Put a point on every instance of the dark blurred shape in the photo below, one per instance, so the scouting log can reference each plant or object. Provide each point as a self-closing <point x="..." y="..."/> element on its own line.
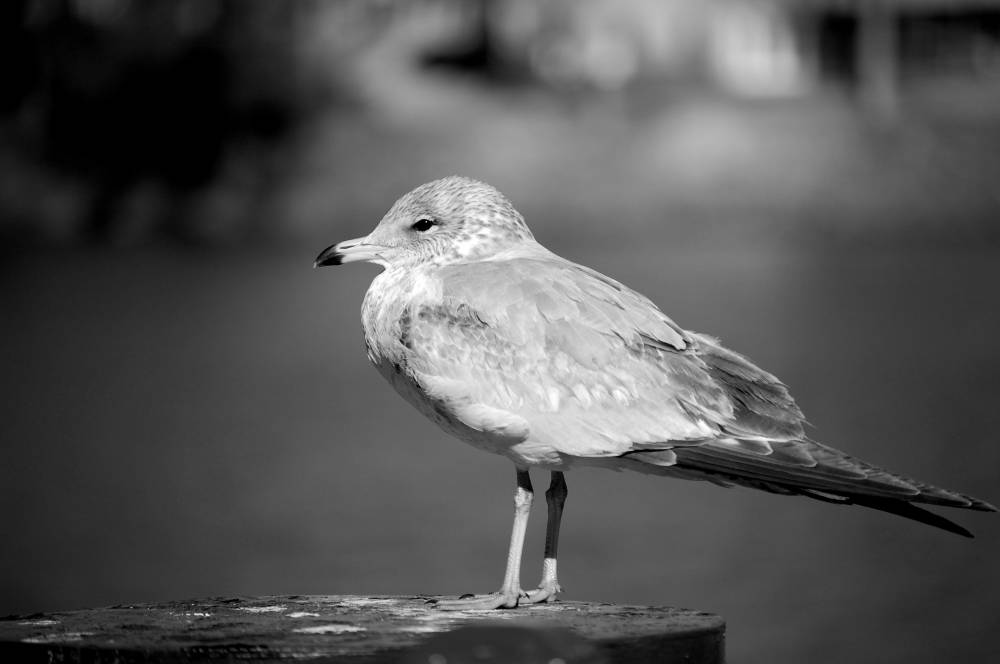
<point x="963" y="41"/>
<point x="19" y="68"/>
<point x="125" y="106"/>
<point x="836" y="33"/>
<point x="152" y="92"/>
<point x="477" y="51"/>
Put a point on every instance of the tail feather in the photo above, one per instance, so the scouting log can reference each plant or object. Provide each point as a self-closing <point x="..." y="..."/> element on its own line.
<point x="825" y="470"/>
<point x="910" y="511"/>
<point x="892" y="506"/>
<point x="816" y="471"/>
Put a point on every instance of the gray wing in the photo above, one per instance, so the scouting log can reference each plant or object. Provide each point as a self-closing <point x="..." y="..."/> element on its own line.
<point x="592" y="368"/>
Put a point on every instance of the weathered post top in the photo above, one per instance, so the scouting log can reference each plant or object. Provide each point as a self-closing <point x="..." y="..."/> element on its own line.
<point x="347" y="628"/>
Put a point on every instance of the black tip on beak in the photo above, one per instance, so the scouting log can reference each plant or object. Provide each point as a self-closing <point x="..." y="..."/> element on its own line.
<point x="329" y="256"/>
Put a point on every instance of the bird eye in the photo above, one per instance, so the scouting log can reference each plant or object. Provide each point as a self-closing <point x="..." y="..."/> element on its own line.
<point x="423" y="225"/>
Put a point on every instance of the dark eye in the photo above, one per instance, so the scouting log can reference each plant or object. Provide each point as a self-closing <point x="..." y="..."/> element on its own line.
<point x="423" y="225"/>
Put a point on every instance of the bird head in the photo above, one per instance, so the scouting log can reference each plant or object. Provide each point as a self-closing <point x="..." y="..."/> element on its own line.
<point x="451" y="220"/>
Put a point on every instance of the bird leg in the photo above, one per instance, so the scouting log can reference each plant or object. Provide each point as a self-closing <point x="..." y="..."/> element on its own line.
<point x="555" y="498"/>
<point x="510" y="593"/>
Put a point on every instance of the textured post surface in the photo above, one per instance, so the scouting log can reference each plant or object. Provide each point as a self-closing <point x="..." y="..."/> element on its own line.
<point x="348" y="628"/>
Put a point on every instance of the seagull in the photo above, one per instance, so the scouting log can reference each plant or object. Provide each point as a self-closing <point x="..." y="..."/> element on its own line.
<point x="520" y="352"/>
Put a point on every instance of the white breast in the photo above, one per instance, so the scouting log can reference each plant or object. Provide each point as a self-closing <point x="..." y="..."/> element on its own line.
<point x="391" y="297"/>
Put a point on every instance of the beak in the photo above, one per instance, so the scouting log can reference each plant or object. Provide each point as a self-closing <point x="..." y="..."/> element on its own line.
<point x="348" y="251"/>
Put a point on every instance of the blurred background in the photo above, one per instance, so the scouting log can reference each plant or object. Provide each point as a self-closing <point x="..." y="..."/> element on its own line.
<point x="186" y="406"/>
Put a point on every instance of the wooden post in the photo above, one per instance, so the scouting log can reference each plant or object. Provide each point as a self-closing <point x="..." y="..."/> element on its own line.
<point x="347" y="628"/>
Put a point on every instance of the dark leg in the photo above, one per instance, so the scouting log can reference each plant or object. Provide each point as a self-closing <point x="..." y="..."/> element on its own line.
<point x="555" y="498"/>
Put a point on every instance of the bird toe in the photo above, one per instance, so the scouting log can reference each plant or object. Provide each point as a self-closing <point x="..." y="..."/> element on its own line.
<point x="546" y="592"/>
<point x="469" y="602"/>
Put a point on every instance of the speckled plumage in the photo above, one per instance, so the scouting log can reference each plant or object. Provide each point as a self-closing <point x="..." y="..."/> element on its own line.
<point x="520" y="352"/>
